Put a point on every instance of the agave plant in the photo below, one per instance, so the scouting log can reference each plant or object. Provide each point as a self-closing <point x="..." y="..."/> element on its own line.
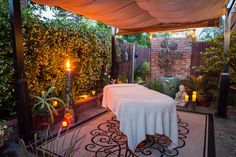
<point x="44" y="103"/>
<point x="154" y="84"/>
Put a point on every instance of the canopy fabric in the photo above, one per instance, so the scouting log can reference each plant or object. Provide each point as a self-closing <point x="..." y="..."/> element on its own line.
<point x="135" y="16"/>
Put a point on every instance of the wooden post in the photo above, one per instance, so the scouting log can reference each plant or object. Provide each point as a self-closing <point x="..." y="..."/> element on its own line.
<point x="24" y="116"/>
<point x="133" y="63"/>
<point x="224" y="78"/>
<point x="114" y="69"/>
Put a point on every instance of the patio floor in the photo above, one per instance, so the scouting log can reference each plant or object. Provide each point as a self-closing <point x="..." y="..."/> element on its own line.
<point x="225" y="134"/>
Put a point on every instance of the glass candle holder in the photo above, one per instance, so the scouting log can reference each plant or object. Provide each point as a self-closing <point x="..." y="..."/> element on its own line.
<point x="93" y="92"/>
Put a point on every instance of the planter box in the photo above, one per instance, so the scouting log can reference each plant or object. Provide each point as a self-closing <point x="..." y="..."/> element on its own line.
<point x="88" y="103"/>
<point x="42" y="121"/>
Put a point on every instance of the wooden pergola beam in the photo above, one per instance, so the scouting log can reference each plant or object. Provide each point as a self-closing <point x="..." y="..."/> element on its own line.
<point x="24" y="116"/>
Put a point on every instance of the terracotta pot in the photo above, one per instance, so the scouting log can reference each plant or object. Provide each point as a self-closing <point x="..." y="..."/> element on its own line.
<point x="204" y="100"/>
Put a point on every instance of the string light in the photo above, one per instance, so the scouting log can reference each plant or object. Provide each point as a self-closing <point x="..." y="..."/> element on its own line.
<point x="150" y="36"/>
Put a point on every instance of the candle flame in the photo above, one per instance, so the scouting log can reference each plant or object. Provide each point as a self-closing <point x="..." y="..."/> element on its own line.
<point x="68" y="65"/>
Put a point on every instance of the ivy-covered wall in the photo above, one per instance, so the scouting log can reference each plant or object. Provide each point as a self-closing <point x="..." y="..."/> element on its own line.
<point x="48" y="43"/>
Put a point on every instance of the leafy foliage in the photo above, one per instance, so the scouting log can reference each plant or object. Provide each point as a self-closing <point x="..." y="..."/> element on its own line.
<point x="213" y="57"/>
<point x="140" y="39"/>
<point x="198" y="84"/>
<point x="202" y="85"/>
<point x="211" y="32"/>
<point x="44" y="103"/>
<point x="154" y="84"/>
<point x="48" y="43"/>
<point x="7" y="101"/>
<point x="4" y="132"/>
<point x="142" y="71"/>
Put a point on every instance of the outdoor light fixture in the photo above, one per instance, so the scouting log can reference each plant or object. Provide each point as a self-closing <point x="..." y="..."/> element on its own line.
<point x="64" y="123"/>
<point x="84" y="96"/>
<point x="54" y="104"/>
<point x="93" y="92"/>
<point x="150" y="36"/>
<point x="68" y="115"/>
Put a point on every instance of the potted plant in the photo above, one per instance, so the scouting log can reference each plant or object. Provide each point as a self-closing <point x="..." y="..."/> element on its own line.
<point x="44" y="110"/>
<point x="202" y="86"/>
<point x="4" y="134"/>
<point x="166" y="58"/>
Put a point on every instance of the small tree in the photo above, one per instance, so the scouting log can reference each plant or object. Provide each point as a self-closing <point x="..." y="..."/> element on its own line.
<point x="213" y="57"/>
<point x="168" y="55"/>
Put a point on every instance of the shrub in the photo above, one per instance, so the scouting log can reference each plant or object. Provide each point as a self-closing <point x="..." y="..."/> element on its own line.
<point x="142" y="71"/>
<point x="48" y="43"/>
<point x="7" y="99"/>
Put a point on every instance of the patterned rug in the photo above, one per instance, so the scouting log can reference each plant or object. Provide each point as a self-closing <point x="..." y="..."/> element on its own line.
<point x="101" y="137"/>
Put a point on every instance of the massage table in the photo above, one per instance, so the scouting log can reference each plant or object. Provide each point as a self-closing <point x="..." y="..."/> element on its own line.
<point x="141" y="112"/>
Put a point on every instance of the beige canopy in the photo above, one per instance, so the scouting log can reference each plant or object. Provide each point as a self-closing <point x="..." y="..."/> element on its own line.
<point x="135" y="16"/>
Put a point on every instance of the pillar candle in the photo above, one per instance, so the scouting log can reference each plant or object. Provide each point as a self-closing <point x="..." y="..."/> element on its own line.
<point x="186" y="98"/>
<point x="194" y="97"/>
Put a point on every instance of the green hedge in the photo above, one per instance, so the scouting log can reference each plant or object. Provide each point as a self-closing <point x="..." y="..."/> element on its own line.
<point x="47" y="45"/>
<point x="7" y="101"/>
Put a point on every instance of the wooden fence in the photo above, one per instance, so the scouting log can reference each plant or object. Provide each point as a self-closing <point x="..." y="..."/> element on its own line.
<point x="197" y="48"/>
<point x="131" y="56"/>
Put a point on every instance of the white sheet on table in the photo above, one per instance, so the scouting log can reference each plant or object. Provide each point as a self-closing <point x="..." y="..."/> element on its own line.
<point x="141" y="111"/>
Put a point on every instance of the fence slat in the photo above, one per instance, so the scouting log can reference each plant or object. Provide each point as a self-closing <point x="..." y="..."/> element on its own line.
<point x="126" y="67"/>
<point x="197" y="48"/>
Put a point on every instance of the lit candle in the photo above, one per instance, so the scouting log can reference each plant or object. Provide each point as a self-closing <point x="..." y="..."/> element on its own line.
<point x="194" y="97"/>
<point x="54" y="104"/>
<point x="69" y="99"/>
<point x="64" y="124"/>
<point x="186" y="97"/>
<point x="93" y="92"/>
<point x="69" y="96"/>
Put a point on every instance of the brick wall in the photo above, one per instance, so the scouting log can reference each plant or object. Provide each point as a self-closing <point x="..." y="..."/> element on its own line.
<point x="181" y="67"/>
